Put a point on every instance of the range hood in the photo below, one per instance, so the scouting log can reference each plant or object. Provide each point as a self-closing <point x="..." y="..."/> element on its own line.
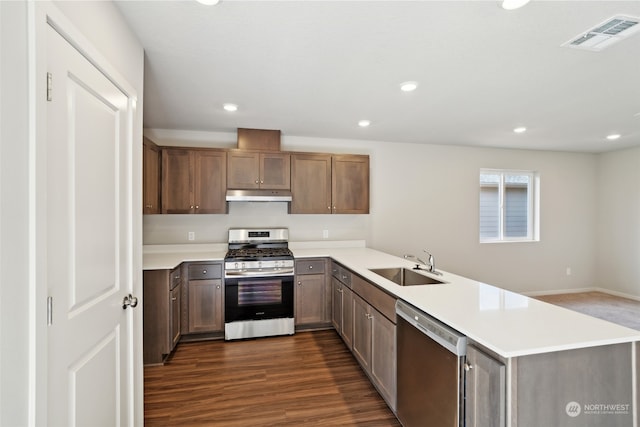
<point x="258" y="196"/>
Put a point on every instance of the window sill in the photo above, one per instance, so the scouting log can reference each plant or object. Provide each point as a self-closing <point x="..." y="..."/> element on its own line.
<point x="511" y="241"/>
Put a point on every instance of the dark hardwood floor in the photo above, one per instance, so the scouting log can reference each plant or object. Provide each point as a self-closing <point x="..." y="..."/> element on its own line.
<point x="309" y="378"/>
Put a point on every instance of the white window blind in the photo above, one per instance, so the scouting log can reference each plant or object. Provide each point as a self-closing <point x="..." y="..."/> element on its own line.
<point x="506" y="205"/>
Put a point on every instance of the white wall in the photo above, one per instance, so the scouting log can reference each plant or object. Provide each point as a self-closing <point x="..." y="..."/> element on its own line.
<point x="617" y="264"/>
<point x="426" y="197"/>
<point x="14" y="216"/>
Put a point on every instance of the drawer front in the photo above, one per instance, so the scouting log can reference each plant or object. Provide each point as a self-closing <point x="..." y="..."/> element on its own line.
<point x="376" y="297"/>
<point x="341" y="273"/>
<point x="175" y="277"/>
<point x="345" y="276"/>
<point x="335" y="270"/>
<point x="310" y="266"/>
<point x="205" y="271"/>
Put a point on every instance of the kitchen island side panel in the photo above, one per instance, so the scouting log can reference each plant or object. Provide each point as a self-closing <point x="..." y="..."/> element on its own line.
<point x="588" y="387"/>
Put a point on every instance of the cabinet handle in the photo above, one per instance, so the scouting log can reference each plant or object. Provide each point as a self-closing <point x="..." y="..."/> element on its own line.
<point x="257" y="181"/>
<point x="174" y="299"/>
<point x="311" y="267"/>
<point x="368" y="316"/>
<point x="218" y="287"/>
<point x="191" y="206"/>
<point x="197" y="207"/>
<point x="149" y="206"/>
<point x="340" y="290"/>
<point x="299" y="283"/>
<point x="204" y="271"/>
<point x="344" y="277"/>
<point x="261" y="182"/>
<point x="467" y="367"/>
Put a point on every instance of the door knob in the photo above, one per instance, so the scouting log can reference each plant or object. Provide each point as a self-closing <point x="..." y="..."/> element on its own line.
<point x="129" y="301"/>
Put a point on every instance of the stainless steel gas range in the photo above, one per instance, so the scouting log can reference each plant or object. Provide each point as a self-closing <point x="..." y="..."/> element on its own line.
<point x="259" y="272"/>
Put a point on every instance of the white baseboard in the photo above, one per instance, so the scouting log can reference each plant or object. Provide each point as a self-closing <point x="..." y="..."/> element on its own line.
<point x="577" y="290"/>
<point x="560" y="291"/>
<point x="620" y="294"/>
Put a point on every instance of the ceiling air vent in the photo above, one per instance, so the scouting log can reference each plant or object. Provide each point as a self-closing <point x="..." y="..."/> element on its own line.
<point x="605" y="34"/>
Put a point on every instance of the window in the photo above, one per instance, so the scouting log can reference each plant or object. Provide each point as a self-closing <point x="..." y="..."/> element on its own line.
<point x="507" y="202"/>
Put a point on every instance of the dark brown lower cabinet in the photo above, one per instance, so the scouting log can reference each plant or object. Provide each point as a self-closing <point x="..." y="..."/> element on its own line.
<point x="203" y="299"/>
<point x="374" y="346"/>
<point x="205" y="306"/>
<point x="342" y="313"/>
<point x="312" y="293"/>
<point x="161" y="317"/>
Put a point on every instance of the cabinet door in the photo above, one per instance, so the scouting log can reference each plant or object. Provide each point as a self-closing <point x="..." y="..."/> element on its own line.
<point x="151" y="177"/>
<point x="310" y="299"/>
<point x="383" y="356"/>
<point x="243" y="170"/>
<point x="485" y="390"/>
<point x="275" y="171"/>
<point x="347" y="317"/>
<point x="336" y="305"/>
<point x="177" y="192"/>
<point x="350" y="184"/>
<point x="210" y="182"/>
<point x="362" y="332"/>
<point x="205" y="305"/>
<point x="311" y="184"/>
<point x="175" y="299"/>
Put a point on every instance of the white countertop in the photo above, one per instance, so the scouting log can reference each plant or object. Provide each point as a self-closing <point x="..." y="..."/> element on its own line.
<point x="167" y="257"/>
<point x="505" y="322"/>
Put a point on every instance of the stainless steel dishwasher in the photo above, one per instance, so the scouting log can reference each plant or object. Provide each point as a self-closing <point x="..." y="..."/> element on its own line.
<point x="430" y="376"/>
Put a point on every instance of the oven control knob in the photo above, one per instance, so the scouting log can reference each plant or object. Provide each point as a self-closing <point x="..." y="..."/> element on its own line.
<point x="244" y="266"/>
<point x="236" y="266"/>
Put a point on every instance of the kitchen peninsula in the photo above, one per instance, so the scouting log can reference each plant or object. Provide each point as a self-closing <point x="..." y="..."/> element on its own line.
<point x="552" y="360"/>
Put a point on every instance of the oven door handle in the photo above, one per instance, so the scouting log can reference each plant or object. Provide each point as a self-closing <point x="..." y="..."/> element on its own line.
<point x="262" y="273"/>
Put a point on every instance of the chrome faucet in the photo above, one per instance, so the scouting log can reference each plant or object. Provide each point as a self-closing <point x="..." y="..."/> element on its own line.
<point x="430" y="264"/>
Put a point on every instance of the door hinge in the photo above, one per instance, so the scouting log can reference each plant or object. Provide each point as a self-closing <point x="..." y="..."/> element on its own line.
<point x="49" y="311"/>
<point x="49" y="88"/>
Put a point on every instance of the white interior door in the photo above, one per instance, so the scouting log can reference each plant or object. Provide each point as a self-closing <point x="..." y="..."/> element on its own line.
<point x="89" y="219"/>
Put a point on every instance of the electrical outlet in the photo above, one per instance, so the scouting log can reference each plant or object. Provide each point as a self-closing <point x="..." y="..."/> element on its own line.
<point x="325" y="234"/>
<point x="191" y="235"/>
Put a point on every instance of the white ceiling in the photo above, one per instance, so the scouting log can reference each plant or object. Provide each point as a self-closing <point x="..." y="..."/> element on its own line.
<point x="315" y="68"/>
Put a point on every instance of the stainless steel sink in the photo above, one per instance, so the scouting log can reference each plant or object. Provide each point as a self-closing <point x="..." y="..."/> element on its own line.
<point x="405" y="276"/>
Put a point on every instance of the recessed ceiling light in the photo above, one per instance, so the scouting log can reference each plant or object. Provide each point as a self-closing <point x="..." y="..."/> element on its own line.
<point x="230" y="107"/>
<point x="364" y="123"/>
<point x="520" y="129"/>
<point x="513" y="4"/>
<point x="208" y="2"/>
<point x="613" y="136"/>
<point x="408" y="86"/>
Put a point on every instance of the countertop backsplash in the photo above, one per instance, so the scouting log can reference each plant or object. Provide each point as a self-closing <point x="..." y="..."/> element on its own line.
<point x="174" y="229"/>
